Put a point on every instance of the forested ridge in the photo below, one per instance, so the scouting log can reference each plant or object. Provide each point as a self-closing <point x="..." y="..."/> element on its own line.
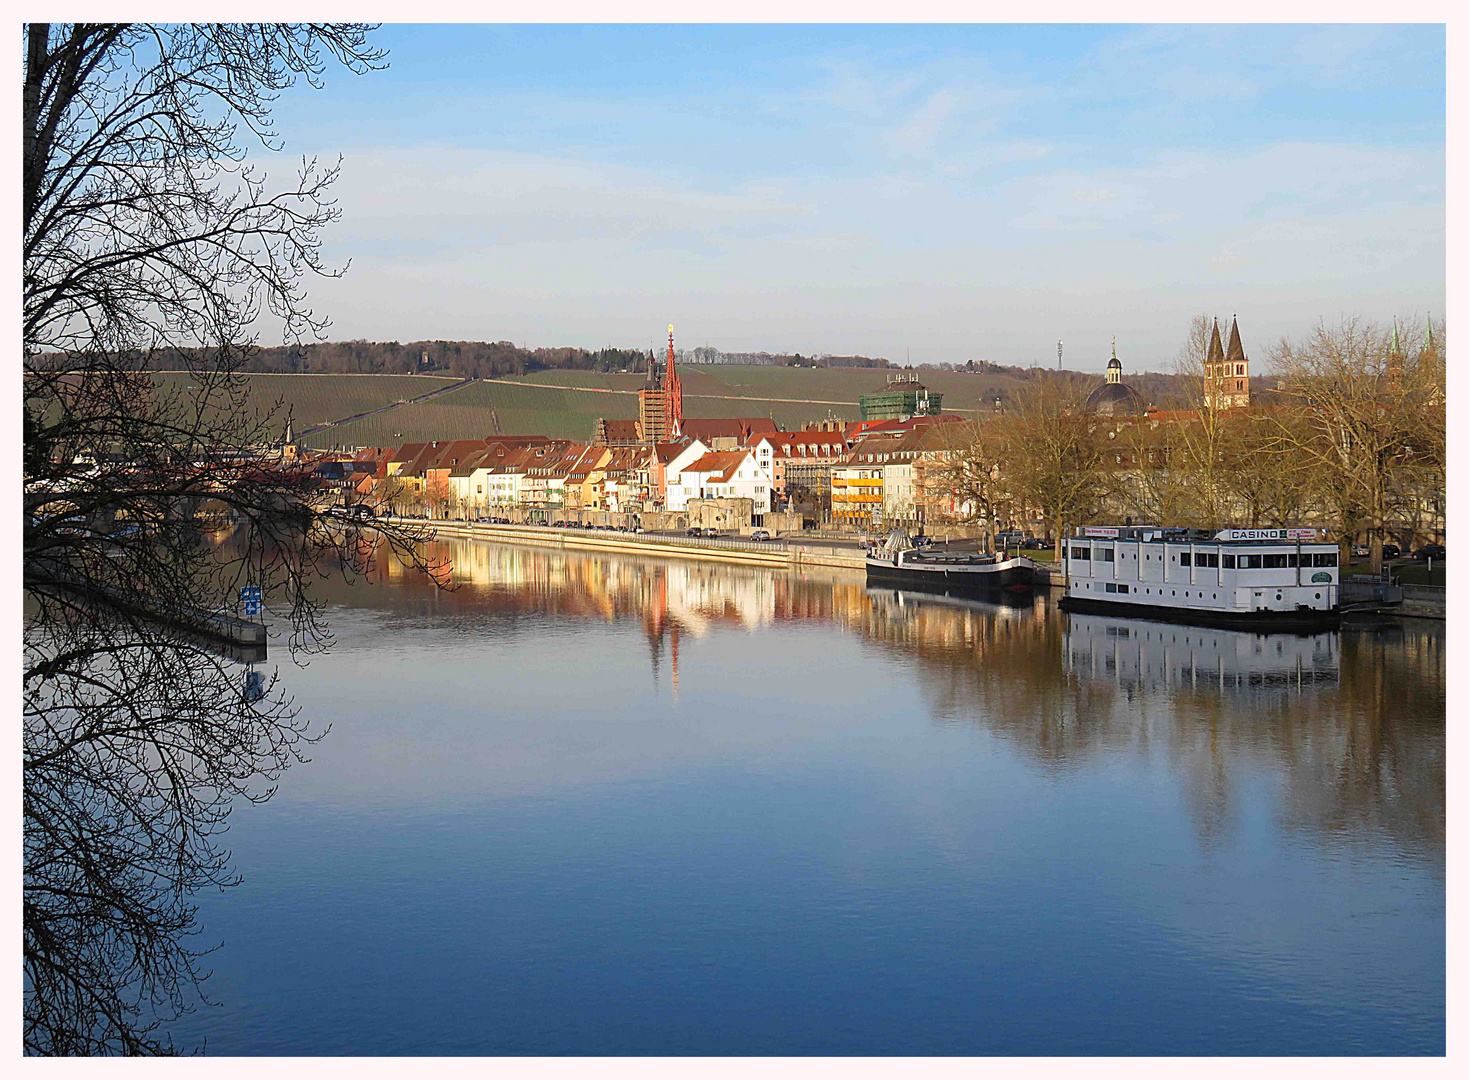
<point x="477" y="359"/>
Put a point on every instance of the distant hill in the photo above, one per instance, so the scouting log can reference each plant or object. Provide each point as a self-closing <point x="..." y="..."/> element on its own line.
<point x="332" y="410"/>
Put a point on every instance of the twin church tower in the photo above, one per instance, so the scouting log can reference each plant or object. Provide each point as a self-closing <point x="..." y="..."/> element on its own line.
<point x="1226" y="372"/>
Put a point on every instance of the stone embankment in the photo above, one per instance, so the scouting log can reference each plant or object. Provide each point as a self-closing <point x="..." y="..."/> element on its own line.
<point x="775" y="554"/>
<point x="1424" y="602"/>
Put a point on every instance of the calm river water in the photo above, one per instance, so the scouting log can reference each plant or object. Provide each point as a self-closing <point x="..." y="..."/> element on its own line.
<point x="610" y="805"/>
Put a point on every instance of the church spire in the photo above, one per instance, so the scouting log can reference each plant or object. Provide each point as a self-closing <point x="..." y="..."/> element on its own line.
<point x="1395" y="358"/>
<point x="1216" y="348"/>
<point x="672" y="397"/>
<point x="1236" y="354"/>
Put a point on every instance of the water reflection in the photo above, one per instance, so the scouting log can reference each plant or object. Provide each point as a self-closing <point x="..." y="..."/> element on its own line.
<point x="594" y="803"/>
<point x="1351" y="723"/>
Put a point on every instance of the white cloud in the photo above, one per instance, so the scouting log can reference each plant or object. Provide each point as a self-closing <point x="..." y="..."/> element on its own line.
<point x="553" y="250"/>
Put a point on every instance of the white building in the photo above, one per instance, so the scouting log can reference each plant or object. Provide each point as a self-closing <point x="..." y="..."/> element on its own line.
<point x="726" y="474"/>
<point x="676" y="492"/>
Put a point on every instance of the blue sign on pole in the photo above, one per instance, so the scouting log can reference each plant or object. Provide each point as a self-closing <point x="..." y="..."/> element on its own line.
<point x="250" y="597"/>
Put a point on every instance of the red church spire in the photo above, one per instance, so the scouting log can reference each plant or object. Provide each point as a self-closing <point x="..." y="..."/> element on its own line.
<point x="672" y="397"/>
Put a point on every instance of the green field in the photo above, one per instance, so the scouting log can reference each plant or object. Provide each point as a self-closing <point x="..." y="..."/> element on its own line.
<point x="565" y="404"/>
<point x="315" y="399"/>
<point x="465" y="414"/>
<point x="962" y="391"/>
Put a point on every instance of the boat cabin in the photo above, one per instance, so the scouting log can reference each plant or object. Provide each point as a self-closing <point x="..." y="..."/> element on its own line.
<point x="1233" y="571"/>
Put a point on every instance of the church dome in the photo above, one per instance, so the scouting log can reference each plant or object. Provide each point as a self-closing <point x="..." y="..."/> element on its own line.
<point x="1115" y="399"/>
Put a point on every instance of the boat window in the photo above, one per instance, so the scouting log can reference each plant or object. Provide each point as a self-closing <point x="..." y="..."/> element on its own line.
<point x="1249" y="562"/>
<point x="1121" y="588"/>
<point x="1082" y="553"/>
<point x="1229" y="562"/>
<point x="1290" y="560"/>
<point x="1107" y="554"/>
<point x="1185" y="558"/>
<point x="1207" y="558"/>
<point x="1111" y="587"/>
<point x="1325" y="558"/>
<point x="1275" y="561"/>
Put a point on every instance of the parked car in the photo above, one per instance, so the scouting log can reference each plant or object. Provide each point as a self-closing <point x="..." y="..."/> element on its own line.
<point x="1361" y="551"/>
<point x="922" y="542"/>
<point x="695" y="531"/>
<point x="1391" y="551"/>
<point x="759" y="534"/>
<point x="1035" y="543"/>
<point x="1430" y="551"/>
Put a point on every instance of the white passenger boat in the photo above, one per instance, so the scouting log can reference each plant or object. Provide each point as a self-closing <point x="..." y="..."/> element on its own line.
<point x="901" y="562"/>
<point x="1265" y="579"/>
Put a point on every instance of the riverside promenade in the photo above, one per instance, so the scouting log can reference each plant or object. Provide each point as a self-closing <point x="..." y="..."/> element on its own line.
<point x="786" y="552"/>
<point x="777" y="554"/>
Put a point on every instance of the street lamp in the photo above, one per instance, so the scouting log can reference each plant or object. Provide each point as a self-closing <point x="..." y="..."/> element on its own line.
<point x="1059" y="365"/>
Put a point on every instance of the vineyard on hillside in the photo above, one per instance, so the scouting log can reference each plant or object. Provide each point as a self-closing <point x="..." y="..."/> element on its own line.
<point x="566" y="404"/>
<point x="316" y="399"/>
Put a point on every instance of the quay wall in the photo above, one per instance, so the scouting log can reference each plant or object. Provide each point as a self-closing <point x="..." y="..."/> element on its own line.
<point x="740" y="552"/>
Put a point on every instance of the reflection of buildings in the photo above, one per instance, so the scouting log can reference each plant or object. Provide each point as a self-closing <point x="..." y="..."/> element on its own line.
<point x="669" y="598"/>
<point x="1150" y="655"/>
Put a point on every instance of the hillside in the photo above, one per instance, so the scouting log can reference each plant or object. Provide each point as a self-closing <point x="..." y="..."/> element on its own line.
<point x="378" y="410"/>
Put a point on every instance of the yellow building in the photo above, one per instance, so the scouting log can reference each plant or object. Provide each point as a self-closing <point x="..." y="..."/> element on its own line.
<point x="857" y="484"/>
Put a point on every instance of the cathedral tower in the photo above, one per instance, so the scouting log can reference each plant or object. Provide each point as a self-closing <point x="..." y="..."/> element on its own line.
<point x="1226" y="371"/>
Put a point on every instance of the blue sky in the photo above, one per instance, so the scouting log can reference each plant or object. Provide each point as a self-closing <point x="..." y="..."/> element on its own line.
<point x="949" y="192"/>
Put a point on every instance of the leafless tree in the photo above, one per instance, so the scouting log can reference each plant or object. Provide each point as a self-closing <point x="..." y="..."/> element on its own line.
<point x="147" y="236"/>
<point x="1057" y="457"/>
<point x="1365" y="416"/>
<point x="969" y="474"/>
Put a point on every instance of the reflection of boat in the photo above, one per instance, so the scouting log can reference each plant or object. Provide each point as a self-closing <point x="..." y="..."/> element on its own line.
<point x="900" y="562"/>
<point x="1267" y="579"/>
<point x="1138" y="653"/>
<point x="1002" y="604"/>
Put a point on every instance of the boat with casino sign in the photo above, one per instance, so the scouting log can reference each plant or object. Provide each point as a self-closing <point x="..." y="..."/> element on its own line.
<point x="1259" y="579"/>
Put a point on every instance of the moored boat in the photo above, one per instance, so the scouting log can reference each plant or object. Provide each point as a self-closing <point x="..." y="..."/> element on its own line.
<point x="1262" y="579"/>
<point x="901" y="562"/>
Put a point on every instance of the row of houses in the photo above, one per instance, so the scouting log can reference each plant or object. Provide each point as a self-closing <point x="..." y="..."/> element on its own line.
<point x="864" y="473"/>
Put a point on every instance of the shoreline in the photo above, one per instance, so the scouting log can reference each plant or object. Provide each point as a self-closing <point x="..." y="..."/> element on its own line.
<point x="790" y="555"/>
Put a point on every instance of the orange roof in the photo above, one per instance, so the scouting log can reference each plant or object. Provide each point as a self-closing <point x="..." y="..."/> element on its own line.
<point x="721" y="463"/>
<point x="734" y="427"/>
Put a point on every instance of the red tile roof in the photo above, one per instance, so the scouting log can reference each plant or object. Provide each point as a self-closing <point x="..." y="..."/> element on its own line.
<point x="721" y="463"/>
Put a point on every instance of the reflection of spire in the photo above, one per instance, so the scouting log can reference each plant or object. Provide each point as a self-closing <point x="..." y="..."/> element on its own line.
<point x="673" y="638"/>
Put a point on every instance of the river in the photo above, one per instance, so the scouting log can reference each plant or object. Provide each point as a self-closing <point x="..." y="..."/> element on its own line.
<point x="590" y="804"/>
